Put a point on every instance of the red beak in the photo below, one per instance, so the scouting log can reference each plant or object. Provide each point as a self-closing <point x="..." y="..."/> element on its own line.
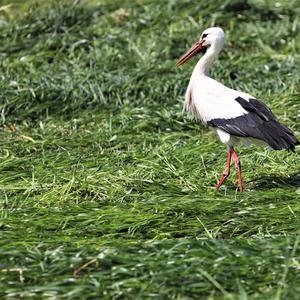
<point x="193" y="51"/>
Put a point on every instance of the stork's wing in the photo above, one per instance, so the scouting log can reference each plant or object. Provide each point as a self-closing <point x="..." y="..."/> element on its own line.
<point x="259" y="123"/>
<point x="257" y="107"/>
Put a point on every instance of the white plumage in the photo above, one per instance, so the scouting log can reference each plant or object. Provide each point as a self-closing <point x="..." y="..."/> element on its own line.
<point x="212" y="99"/>
<point x="236" y="117"/>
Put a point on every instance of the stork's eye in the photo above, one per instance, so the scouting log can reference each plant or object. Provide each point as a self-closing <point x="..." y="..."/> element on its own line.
<point x="204" y="35"/>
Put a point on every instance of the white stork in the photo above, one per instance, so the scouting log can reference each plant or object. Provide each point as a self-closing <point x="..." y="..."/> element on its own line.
<point x="236" y="117"/>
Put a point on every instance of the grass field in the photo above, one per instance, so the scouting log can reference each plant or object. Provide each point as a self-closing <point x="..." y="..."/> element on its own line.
<point x="107" y="188"/>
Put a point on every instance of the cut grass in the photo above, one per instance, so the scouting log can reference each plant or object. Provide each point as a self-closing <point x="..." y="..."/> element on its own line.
<point x="107" y="188"/>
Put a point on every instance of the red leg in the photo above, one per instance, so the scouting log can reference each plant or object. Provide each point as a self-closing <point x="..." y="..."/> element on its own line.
<point x="227" y="169"/>
<point x="238" y="166"/>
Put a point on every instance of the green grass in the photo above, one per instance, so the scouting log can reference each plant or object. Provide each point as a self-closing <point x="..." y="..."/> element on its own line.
<point x="107" y="188"/>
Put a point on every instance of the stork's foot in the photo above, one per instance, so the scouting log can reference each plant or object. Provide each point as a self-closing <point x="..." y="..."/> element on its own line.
<point x="226" y="171"/>
<point x="238" y="166"/>
<point x="224" y="176"/>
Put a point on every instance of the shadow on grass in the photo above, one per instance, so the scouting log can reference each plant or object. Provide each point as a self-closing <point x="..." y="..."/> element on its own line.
<point x="266" y="182"/>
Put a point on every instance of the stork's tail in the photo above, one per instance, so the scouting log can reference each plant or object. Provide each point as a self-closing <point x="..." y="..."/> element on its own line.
<point x="279" y="137"/>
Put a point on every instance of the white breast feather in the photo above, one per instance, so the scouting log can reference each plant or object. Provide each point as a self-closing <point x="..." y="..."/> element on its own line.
<point x="208" y="99"/>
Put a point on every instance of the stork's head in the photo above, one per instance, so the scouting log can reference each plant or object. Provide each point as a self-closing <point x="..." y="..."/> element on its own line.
<point x="211" y="37"/>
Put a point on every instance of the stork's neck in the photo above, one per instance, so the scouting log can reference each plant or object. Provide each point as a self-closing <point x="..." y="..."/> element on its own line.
<point x="204" y="64"/>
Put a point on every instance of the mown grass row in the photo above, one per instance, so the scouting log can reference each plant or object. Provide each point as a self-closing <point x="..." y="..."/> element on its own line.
<point x="164" y="270"/>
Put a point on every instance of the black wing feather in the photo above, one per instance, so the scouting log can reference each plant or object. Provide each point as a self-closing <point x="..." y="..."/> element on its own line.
<point x="259" y="108"/>
<point x="260" y="123"/>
